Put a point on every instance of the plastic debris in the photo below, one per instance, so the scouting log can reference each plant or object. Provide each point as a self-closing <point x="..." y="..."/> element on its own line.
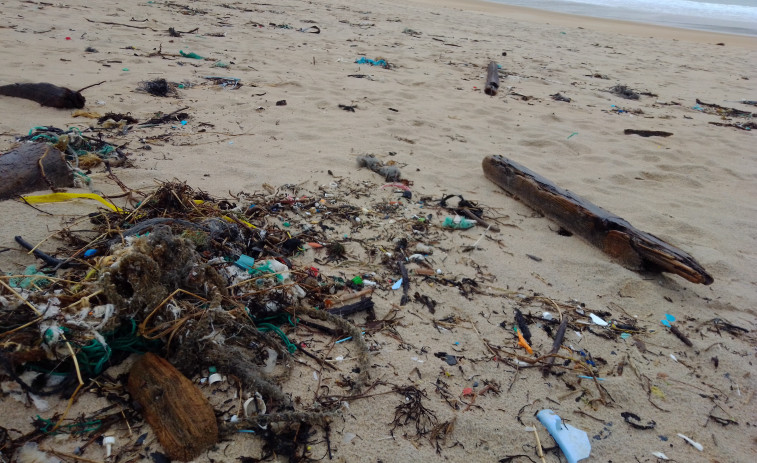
<point x="245" y="262"/>
<point x="694" y="444"/>
<point x="660" y="455"/>
<point x="190" y="55"/>
<point x="458" y="223"/>
<point x="598" y="320"/>
<point x="373" y="62"/>
<point x="522" y="341"/>
<point x="573" y="442"/>
<point x="108" y="442"/>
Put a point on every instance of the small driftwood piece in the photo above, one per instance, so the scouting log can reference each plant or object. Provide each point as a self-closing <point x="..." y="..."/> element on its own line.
<point x="559" y="337"/>
<point x="492" y="79"/>
<point x="32" y="167"/>
<point x="634" y="249"/>
<point x="178" y="413"/>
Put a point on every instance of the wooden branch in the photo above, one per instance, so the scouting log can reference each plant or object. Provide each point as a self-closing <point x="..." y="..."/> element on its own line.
<point x="559" y="336"/>
<point x="32" y="167"/>
<point x="634" y="248"/>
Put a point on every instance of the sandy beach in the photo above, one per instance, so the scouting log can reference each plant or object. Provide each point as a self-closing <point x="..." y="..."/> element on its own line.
<point x="295" y="108"/>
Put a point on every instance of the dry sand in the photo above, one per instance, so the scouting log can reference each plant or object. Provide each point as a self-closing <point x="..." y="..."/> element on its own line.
<point x="695" y="189"/>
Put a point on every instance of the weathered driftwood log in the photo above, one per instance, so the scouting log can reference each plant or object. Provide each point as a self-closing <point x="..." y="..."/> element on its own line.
<point x="31" y="167"/>
<point x="613" y="235"/>
<point x="492" y="79"/>
<point x="178" y="413"/>
<point x="46" y="95"/>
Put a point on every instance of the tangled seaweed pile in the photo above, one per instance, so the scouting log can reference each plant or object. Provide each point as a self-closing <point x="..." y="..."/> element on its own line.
<point x="209" y="283"/>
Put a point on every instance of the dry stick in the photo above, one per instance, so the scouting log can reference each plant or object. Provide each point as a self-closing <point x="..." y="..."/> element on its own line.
<point x="351" y="296"/>
<point x="90" y="86"/>
<point x="674" y="329"/>
<point x="76" y="391"/>
<point x="405" y="284"/>
<point x="6" y="333"/>
<point x="49" y="260"/>
<point x="119" y="24"/>
<point x="480" y="221"/>
<point x="539" y="449"/>
<point x="21" y="298"/>
<point x="559" y="336"/>
<point x="320" y="361"/>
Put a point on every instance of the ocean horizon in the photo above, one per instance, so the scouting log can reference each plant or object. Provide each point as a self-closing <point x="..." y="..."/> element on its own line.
<point x="725" y="16"/>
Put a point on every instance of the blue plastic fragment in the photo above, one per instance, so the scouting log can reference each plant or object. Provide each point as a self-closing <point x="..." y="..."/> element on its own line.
<point x="90" y="252"/>
<point x="379" y="62"/>
<point x="573" y="442"/>
<point x="667" y="320"/>
<point x="397" y="284"/>
<point x="245" y="262"/>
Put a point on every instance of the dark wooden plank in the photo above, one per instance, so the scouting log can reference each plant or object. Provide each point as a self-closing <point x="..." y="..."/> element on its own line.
<point x="615" y="236"/>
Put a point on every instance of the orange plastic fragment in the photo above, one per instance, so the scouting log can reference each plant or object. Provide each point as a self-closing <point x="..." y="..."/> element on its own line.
<point x="315" y="245"/>
<point x="522" y="342"/>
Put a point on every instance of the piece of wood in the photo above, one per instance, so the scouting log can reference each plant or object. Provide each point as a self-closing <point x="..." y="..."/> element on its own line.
<point x="178" y="413"/>
<point x="46" y="95"/>
<point x="32" y="167"/>
<point x="559" y="337"/>
<point x="492" y="79"/>
<point x="634" y="249"/>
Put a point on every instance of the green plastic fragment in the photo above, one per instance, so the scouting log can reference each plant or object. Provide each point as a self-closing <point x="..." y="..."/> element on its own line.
<point x="192" y="55"/>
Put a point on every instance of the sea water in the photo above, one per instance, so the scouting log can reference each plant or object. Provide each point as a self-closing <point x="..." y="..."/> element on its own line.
<point x="728" y="16"/>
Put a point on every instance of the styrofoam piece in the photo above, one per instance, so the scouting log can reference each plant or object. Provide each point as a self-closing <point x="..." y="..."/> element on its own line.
<point x="573" y="442"/>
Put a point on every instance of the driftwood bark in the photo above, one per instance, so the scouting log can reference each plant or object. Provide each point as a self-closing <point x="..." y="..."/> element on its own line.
<point x="46" y="95"/>
<point x="635" y="249"/>
<point x="32" y="167"/>
<point x="492" y="79"/>
<point x="178" y="413"/>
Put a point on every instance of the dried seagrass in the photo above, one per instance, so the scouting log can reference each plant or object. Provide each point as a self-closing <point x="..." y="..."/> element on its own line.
<point x="357" y="337"/>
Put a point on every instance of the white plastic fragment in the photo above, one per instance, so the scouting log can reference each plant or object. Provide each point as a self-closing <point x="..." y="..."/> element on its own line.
<point x="270" y="362"/>
<point x="108" y="442"/>
<point x="348" y="436"/>
<point x="694" y="444"/>
<point x="573" y="442"/>
<point x="660" y="455"/>
<point x="215" y="378"/>
<point x="674" y="358"/>
<point x="597" y="320"/>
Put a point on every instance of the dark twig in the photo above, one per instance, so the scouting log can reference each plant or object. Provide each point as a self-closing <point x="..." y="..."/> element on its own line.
<point x="349" y="309"/>
<point x="556" y="344"/>
<point x="405" y="284"/>
<point x="674" y="329"/>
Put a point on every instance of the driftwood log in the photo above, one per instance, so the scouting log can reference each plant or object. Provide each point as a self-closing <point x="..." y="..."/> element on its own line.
<point x="32" y="167"/>
<point x="635" y="249"/>
<point x="178" y="413"/>
<point x="46" y="95"/>
<point x="492" y="79"/>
